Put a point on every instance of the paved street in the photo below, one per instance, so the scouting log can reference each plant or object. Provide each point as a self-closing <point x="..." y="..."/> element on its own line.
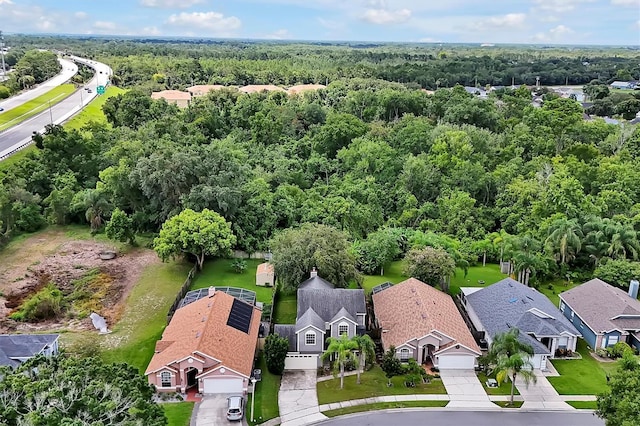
<point x="456" y="418"/>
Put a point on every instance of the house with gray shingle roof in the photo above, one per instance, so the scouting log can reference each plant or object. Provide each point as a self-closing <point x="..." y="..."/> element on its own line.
<point x="509" y="304"/>
<point x="604" y="314"/>
<point x="18" y="348"/>
<point x="323" y="311"/>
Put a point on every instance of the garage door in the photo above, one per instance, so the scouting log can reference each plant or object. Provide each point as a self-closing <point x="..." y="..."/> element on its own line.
<point x="301" y="362"/>
<point x="216" y="385"/>
<point x="456" y="362"/>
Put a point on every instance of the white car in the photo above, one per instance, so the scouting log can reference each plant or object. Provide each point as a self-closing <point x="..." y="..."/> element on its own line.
<point x="235" y="407"/>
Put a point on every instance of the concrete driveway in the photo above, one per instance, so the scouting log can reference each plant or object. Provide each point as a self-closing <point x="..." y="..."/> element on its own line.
<point x="465" y="390"/>
<point x="298" y="399"/>
<point x="212" y="411"/>
<point x="540" y="395"/>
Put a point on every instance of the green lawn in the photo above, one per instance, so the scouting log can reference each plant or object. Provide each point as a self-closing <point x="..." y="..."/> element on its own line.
<point x="285" y="309"/>
<point x="584" y="376"/>
<point x="393" y="273"/>
<point x="93" y="111"/>
<point x="218" y="273"/>
<point x="373" y="383"/>
<point x="35" y="106"/>
<point x="178" y="413"/>
<point x="383" y="406"/>
<point x="554" y="288"/>
<point x="584" y="405"/>
<point x="134" y="337"/>
<point x="502" y="389"/>
<point x="266" y="406"/>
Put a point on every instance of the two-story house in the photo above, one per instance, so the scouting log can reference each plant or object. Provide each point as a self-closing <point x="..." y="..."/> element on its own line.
<point x="323" y="311"/>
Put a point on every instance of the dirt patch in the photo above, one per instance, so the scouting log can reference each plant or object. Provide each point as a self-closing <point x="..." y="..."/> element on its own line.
<point x="52" y="257"/>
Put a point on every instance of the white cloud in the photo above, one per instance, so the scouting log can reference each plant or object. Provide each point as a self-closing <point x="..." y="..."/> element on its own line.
<point x="170" y="4"/>
<point x="493" y="23"/>
<point x="557" y="34"/>
<point x="386" y="17"/>
<point x="152" y="31"/>
<point x="331" y="24"/>
<point x="213" y="22"/>
<point x="105" y="26"/>
<point x="6" y="2"/>
<point x="281" y="34"/>
<point x="559" y="6"/>
<point x="626" y="3"/>
<point x="80" y="15"/>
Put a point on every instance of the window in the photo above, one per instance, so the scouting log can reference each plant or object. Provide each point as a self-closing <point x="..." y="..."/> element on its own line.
<point x="343" y="328"/>
<point x="165" y="379"/>
<point x="561" y="306"/>
<point x="310" y="338"/>
<point x="404" y="355"/>
<point x="571" y="314"/>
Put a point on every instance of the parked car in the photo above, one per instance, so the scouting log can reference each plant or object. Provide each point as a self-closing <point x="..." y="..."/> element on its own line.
<point x="235" y="407"/>
<point x="1" y="109"/>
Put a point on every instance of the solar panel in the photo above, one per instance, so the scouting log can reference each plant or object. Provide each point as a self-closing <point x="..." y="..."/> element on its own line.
<point x="240" y="316"/>
<point x="383" y="286"/>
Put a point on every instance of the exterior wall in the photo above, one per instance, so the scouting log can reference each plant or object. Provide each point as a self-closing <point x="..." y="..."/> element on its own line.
<point x="413" y="353"/>
<point x="362" y="319"/>
<point x="588" y="334"/>
<point x="475" y="320"/>
<point x="154" y="379"/>
<point x="607" y="336"/>
<point x="538" y="361"/>
<point x="306" y="349"/>
<point x="265" y="279"/>
<point x="334" y="328"/>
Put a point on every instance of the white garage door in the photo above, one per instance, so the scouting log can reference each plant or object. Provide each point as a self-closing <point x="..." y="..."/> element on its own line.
<point x="301" y="362"/>
<point x="456" y="362"/>
<point x="217" y="385"/>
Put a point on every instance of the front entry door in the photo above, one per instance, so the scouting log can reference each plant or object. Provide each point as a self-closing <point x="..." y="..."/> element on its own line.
<point x="191" y="377"/>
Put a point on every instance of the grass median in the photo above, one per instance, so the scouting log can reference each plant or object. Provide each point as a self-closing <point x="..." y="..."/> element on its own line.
<point x="384" y="406"/>
<point x="35" y="106"/>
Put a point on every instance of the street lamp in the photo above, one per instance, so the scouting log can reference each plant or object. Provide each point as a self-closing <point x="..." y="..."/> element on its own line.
<point x="4" y="72"/>
<point x="254" y="382"/>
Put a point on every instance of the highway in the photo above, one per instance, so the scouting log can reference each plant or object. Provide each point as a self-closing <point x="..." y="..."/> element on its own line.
<point x="20" y="135"/>
<point x="69" y="69"/>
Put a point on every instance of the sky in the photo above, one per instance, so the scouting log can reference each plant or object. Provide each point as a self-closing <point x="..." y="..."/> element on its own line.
<point x="600" y="22"/>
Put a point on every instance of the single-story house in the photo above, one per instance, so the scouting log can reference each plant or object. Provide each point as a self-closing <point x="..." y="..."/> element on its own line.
<point x="182" y="99"/>
<point x="628" y="85"/>
<point x="509" y="304"/>
<point x="209" y="344"/>
<point x="604" y="314"/>
<point x="18" y="348"/>
<point x="265" y="275"/>
<point x="203" y="89"/>
<point x="301" y="88"/>
<point x="256" y="88"/>
<point x="323" y="311"/>
<point x="424" y="323"/>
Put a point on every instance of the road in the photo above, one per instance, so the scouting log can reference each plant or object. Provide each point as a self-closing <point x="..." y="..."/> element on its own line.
<point x="69" y="69"/>
<point x="21" y="134"/>
<point x="475" y="418"/>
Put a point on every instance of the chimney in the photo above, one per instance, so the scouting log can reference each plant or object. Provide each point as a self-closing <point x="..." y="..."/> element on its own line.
<point x="633" y="289"/>
<point x="211" y="291"/>
<point x="314" y="273"/>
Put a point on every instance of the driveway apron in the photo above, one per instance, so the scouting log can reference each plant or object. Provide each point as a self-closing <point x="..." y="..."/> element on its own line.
<point x="212" y="411"/>
<point x="465" y="390"/>
<point x="540" y="395"/>
<point x="298" y="399"/>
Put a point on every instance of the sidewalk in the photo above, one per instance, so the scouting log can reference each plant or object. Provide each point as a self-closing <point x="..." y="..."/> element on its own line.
<point x="541" y="395"/>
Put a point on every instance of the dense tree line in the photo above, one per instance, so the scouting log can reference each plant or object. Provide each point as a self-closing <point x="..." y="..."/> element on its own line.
<point x="28" y="68"/>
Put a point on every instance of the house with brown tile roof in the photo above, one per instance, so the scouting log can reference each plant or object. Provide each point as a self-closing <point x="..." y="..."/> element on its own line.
<point x="177" y="97"/>
<point x="301" y="88"/>
<point x="209" y="344"/>
<point x="604" y="314"/>
<point x="203" y="89"/>
<point x="424" y="323"/>
<point x="256" y="88"/>
<point x="265" y="275"/>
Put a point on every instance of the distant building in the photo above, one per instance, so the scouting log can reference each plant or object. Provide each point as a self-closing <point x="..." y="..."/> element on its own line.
<point x="301" y="88"/>
<point x="182" y="99"/>
<point x="257" y="88"/>
<point x="203" y="89"/>
<point x="625" y="85"/>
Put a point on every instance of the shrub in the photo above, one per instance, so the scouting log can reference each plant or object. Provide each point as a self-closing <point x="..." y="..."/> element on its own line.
<point x="47" y="303"/>
<point x="619" y="350"/>
<point x="239" y="266"/>
<point x="275" y="352"/>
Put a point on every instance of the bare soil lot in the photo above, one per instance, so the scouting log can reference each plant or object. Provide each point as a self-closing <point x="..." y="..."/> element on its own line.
<point x="62" y="258"/>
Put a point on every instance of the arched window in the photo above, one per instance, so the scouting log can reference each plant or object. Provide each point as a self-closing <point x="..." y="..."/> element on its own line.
<point x="404" y="354"/>
<point x="165" y="379"/>
<point x="343" y="328"/>
<point x="310" y="338"/>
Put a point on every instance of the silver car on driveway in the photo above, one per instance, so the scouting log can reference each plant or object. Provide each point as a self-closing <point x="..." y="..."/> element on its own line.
<point x="235" y="407"/>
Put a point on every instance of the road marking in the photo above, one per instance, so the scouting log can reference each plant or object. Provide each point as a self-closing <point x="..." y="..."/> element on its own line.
<point x="33" y="111"/>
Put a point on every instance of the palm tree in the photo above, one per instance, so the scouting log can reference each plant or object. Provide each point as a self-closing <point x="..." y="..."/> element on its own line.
<point x="366" y="350"/>
<point x="623" y="241"/>
<point x="510" y="357"/>
<point x="595" y="239"/>
<point x="565" y="239"/>
<point x="96" y="206"/>
<point x="342" y="348"/>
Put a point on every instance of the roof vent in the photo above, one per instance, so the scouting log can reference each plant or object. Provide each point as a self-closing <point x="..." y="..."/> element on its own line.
<point x="524" y="301"/>
<point x="424" y="316"/>
<point x="418" y="302"/>
<point x="197" y="334"/>
<point x="204" y="319"/>
<point x="513" y="300"/>
<point x="413" y="289"/>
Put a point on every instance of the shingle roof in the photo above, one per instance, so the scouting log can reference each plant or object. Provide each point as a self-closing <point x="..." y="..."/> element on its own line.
<point x="203" y="89"/>
<point x="326" y="302"/>
<point x="310" y="317"/>
<point x="343" y="313"/>
<point x="315" y="282"/>
<point x="413" y="309"/>
<point x="508" y="304"/>
<point x="202" y="326"/>
<point x="253" y="88"/>
<point x="265" y="268"/>
<point x="23" y="346"/>
<point x="171" y="95"/>
<point x="304" y="88"/>
<point x="288" y="331"/>
<point x="597" y="303"/>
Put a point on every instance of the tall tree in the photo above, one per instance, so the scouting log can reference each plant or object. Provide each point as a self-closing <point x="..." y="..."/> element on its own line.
<point x="620" y="404"/>
<point x="340" y="350"/>
<point x="366" y="352"/>
<point x="430" y="265"/>
<point x="510" y="357"/>
<point x="565" y="239"/>
<point x="199" y="234"/>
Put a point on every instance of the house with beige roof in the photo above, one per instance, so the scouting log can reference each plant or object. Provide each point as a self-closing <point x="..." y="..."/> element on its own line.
<point x="604" y="314"/>
<point x="257" y="88"/>
<point x="209" y="344"/>
<point x="177" y="97"/>
<point x="203" y="89"/>
<point x="424" y="323"/>
<point x="301" y="88"/>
